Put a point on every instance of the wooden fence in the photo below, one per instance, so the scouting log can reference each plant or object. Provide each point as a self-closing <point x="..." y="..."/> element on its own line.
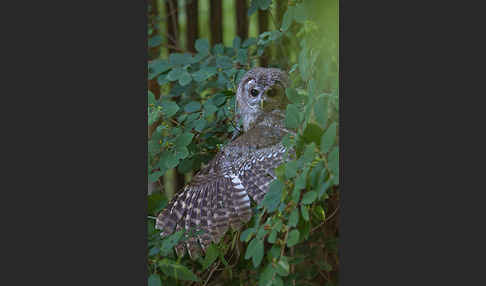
<point x="177" y="24"/>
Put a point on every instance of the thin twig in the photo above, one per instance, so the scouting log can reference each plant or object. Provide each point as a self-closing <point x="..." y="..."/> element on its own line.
<point x="284" y="243"/>
<point x="326" y="220"/>
<point x="320" y="272"/>
<point x="211" y="273"/>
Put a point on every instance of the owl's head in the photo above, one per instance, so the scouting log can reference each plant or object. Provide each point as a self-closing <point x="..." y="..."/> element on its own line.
<point x="260" y="90"/>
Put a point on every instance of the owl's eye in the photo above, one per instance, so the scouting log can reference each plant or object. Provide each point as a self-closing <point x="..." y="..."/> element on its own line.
<point x="254" y="92"/>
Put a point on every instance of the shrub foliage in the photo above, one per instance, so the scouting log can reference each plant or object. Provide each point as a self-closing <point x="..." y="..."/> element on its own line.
<point x="292" y="237"/>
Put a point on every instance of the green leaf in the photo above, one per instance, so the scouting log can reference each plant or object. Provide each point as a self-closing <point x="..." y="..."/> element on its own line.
<point x="169" y="242"/>
<point x="247" y="233"/>
<point x="224" y="62"/>
<point x="156" y="202"/>
<point x="181" y="152"/>
<point x="250" y="250"/>
<point x="300" y="183"/>
<point x="151" y="98"/>
<point x="309" y="153"/>
<point x="293" y="238"/>
<point x="249" y="42"/>
<point x="293" y="95"/>
<point x="209" y="108"/>
<point x="242" y="56"/>
<point x="273" y="196"/>
<point x="218" y="49"/>
<point x="273" y="236"/>
<point x="202" y="46"/>
<point x="168" y="160"/>
<point x="192" y="106"/>
<point x="177" y="271"/>
<point x="153" y="116"/>
<point x="296" y="195"/>
<point x="266" y="276"/>
<point x="291" y="168"/>
<point x="319" y="213"/>
<point x="312" y="133"/>
<point x="219" y="99"/>
<point x="274" y="252"/>
<point x="162" y="79"/>
<point x="154" y="280"/>
<point x="328" y="138"/>
<point x="175" y="74"/>
<point x="212" y="252"/>
<point x="261" y="232"/>
<point x="300" y="15"/>
<point x="236" y="42"/>
<point x="154" y="251"/>
<point x="186" y="165"/>
<point x="323" y="188"/>
<point x="185" y="78"/>
<point x="180" y="59"/>
<point x="199" y="125"/>
<point x="184" y="139"/>
<point x="282" y="267"/>
<point x="277" y="281"/>
<point x="294" y="218"/>
<point x="292" y="118"/>
<point x="157" y="67"/>
<point x="253" y="7"/>
<point x="336" y="177"/>
<point x="333" y="160"/>
<point x="264" y="4"/>
<point x="155" y="176"/>
<point x="154" y="41"/>
<point x="309" y="197"/>
<point x="305" y="212"/>
<point x="320" y="110"/>
<point x="258" y="253"/>
<point x="169" y="108"/>
<point x="204" y="73"/>
<point x="304" y="66"/>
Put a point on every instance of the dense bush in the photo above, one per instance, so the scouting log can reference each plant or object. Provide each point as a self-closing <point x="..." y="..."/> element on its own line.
<point x="292" y="237"/>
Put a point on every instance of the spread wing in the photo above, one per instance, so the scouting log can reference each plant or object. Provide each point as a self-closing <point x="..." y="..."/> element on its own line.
<point x="218" y="196"/>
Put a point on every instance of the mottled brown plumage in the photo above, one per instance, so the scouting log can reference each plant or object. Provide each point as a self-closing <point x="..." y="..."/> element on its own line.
<point x="218" y="196"/>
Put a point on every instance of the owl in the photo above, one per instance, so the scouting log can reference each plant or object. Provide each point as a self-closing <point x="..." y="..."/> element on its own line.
<point x="219" y="195"/>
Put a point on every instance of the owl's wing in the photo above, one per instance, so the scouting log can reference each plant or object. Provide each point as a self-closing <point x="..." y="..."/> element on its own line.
<point x="219" y="195"/>
<point x="209" y="204"/>
<point x="257" y="170"/>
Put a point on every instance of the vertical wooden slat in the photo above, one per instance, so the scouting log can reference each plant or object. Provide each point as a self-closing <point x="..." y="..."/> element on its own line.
<point x="281" y="56"/>
<point x="263" y="27"/>
<point x="241" y="11"/>
<point x="192" y="32"/>
<point x="216" y="21"/>
<point x="172" y="20"/>
<point x="154" y="52"/>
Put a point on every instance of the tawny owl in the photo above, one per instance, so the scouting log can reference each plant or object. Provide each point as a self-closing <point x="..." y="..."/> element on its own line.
<point x="218" y="196"/>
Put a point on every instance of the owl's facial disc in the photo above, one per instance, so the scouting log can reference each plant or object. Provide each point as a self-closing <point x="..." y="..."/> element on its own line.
<point x="273" y="98"/>
<point x="255" y="94"/>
